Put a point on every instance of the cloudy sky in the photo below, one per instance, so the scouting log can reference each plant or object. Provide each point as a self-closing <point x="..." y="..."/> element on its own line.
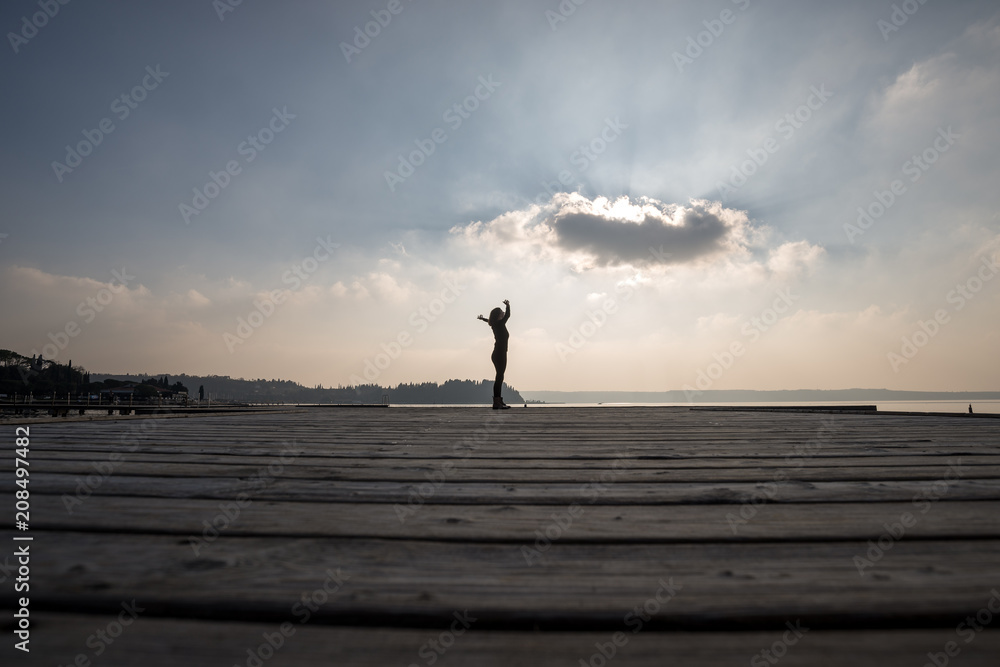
<point x="727" y="194"/>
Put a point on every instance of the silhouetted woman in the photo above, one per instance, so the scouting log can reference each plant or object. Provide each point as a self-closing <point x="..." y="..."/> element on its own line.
<point x="498" y="322"/>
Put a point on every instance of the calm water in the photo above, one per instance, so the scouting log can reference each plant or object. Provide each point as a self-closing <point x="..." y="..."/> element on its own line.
<point x="992" y="407"/>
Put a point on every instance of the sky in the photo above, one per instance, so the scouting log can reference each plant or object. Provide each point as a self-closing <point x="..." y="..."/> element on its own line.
<point x="734" y="194"/>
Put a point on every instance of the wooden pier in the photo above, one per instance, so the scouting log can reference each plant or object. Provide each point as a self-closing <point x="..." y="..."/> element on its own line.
<point x="533" y="536"/>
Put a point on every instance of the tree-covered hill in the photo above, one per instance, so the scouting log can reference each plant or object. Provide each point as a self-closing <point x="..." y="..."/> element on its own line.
<point x="260" y="390"/>
<point x="35" y="375"/>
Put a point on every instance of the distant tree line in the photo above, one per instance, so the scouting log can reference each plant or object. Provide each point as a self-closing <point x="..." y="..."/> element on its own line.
<point x="22" y="375"/>
<point x="452" y="391"/>
<point x="38" y="376"/>
<point x="260" y="390"/>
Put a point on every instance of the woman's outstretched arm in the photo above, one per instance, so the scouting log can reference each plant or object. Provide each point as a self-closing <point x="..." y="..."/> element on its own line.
<point x="506" y="315"/>
<point x="480" y="317"/>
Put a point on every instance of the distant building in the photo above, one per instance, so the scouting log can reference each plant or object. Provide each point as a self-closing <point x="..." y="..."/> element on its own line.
<point x="129" y="390"/>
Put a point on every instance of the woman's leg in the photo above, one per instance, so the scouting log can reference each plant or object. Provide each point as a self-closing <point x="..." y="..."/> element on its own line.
<point x="499" y="359"/>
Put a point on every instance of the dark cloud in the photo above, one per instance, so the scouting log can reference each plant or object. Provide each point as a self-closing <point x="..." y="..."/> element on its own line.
<point x="674" y="237"/>
<point x="591" y="233"/>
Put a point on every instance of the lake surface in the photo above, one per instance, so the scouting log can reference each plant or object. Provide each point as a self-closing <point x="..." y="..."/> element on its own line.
<point x="990" y="407"/>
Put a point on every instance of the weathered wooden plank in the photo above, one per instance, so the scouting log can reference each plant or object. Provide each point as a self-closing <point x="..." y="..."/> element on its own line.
<point x="155" y="642"/>
<point x="518" y="523"/>
<point x="565" y="444"/>
<point x="93" y="454"/>
<point x="657" y="426"/>
<point x="177" y="433"/>
<point x="623" y="471"/>
<point x="277" y="487"/>
<point x="915" y="581"/>
<point x="530" y="453"/>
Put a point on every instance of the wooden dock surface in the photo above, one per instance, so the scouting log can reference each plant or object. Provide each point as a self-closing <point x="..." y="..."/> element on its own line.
<point x="538" y="536"/>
